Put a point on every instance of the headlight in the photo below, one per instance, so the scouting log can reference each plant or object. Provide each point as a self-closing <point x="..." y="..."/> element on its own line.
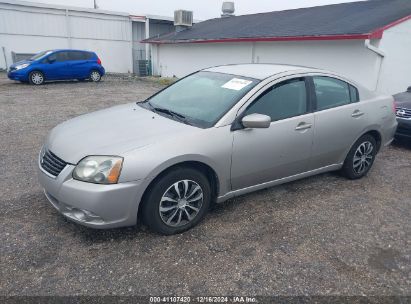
<point x="99" y="169"/>
<point x="22" y="66"/>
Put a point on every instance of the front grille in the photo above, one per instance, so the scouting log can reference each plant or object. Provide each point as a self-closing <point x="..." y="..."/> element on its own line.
<point x="51" y="163"/>
<point x="403" y="113"/>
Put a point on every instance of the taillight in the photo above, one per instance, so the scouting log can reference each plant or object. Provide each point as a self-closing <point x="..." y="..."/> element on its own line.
<point x="99" y="61"/>
<point x="394" y="106"/>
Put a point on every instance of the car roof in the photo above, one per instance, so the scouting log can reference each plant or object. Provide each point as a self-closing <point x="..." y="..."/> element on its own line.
<point x="66" y="50"/>
<point x="260" y="70"/>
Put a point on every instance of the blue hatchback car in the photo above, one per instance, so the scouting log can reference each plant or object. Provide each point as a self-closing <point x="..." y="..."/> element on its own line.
<point x="58" y="65"/>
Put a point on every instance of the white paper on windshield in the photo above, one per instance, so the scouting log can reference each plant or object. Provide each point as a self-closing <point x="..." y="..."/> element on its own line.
<point x="236" y="84"/>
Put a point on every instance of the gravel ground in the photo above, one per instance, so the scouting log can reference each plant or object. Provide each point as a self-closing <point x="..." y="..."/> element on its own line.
<point x="318" y="236"/>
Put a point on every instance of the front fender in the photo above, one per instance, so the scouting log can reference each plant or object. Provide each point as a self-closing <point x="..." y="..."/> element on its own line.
<point x="212" y="147"/>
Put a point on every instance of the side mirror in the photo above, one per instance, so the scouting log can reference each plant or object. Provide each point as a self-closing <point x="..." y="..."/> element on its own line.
<point x="51" y="60"/>
<point x="256" y="121"/>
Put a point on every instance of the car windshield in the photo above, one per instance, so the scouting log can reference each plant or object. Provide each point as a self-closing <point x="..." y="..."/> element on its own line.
<point x="201" y="99"/>
<point x="40" y="55"/>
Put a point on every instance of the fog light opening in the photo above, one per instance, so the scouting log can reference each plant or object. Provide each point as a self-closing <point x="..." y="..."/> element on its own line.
<point x="79" y="215"/>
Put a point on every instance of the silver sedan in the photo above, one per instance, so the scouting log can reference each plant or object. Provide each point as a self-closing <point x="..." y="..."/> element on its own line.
<point x="215" y="134"/>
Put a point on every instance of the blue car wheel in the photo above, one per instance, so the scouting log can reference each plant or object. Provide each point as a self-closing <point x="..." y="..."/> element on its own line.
<point x="36" y="78"/>
<point x="95" y="76"/>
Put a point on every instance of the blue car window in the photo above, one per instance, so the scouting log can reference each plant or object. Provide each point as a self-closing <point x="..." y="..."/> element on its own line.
<point x="78" y="55"/>
<point x="52" y="57"/>
<point x="61" y="56"/>
<point x="75" y="56"/>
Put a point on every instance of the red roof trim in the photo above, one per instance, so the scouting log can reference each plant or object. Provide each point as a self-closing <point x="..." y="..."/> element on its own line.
<point x="137" y="17"/>
<point x="377" y="34"/>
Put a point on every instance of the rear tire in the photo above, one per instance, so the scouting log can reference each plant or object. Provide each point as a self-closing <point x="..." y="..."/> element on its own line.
<point x="360" y="158"/>
<point x="36" y="78"/>
<point x="95" y="76"/>
<point x="177" y="201"/>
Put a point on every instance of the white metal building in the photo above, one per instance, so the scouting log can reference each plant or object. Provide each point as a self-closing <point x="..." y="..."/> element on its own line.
<point x="28" y="28"/>
<point x="369" y="42"/>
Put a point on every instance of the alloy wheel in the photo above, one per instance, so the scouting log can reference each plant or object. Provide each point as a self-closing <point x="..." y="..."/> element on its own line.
<point x="181" y="203"/>
<point x="95" y="76"/>
<point x="363" y="157"/>
<point x="37" y="78"/>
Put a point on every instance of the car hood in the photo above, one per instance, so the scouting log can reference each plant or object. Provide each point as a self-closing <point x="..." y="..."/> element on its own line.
<point x="20" y="62"/>
<point x="112" y="131"/>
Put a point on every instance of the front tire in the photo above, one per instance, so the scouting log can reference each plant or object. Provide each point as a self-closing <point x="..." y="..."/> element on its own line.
<point x="177" y="201"/>
<point x="36" y="78"/>
<point x="95" y="76"/>
<point x="360" y="158"/>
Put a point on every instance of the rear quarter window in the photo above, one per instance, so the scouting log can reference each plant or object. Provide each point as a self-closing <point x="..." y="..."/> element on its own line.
<point x="354" y="95"/>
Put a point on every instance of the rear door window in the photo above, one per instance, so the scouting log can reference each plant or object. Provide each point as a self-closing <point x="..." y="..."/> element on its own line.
<point x="331" y="92"/>
<point x="61" y="56"/>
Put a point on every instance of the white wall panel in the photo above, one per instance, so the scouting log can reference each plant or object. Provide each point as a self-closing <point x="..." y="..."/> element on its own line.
<point x="396" y="67"/>
<point x="180" y="60"/>
<point x="30" y="23"/>
<point x="95" y="28"/>
<point x="349" y="57"/>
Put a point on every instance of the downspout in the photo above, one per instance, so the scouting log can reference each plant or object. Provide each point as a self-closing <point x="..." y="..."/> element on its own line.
<point x="252" y="52"/>
<point x="381" y="55"/>
<point x="146" y="36"/>
<point x="5" y="57"/>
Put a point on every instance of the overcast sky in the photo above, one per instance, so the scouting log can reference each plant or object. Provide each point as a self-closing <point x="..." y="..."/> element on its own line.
<point x="203" y="9"/>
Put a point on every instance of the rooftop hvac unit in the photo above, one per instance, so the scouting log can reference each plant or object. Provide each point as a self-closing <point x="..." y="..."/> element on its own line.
<point x="228" y="9"/>
<point x="183" y="18"/>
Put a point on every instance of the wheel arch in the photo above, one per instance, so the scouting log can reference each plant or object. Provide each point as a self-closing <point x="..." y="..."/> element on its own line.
<point x="35" y="69"/>
<point x="373" y="131"/>
<point x="93" y="68"/>
<point x="376" y="134"/>
<point x="206" y="169"/>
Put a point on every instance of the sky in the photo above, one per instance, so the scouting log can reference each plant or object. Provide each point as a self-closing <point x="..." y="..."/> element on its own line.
<point x="203" y="9"/>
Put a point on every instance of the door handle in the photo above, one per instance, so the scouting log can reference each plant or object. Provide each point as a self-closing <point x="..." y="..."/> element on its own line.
<point x="357" y="113"/>
<point x="303" y="126"/>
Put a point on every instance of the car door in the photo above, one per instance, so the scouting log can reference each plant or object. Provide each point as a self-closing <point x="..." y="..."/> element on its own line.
<point x="339" y="120"/>
<point x="284" y="148"/>
<point x="78" y="64"/>
<point x="55" y="66"/>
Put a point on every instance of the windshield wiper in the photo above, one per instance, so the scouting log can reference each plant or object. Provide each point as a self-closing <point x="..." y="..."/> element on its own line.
<point x="175" y="115"/>
<point x="169" y="112"/>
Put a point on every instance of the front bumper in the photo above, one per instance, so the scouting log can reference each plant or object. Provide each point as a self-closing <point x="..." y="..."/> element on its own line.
<point x="18" y="75"/>
<point x="404" y="128"/>
<point x="92" y="205"/>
